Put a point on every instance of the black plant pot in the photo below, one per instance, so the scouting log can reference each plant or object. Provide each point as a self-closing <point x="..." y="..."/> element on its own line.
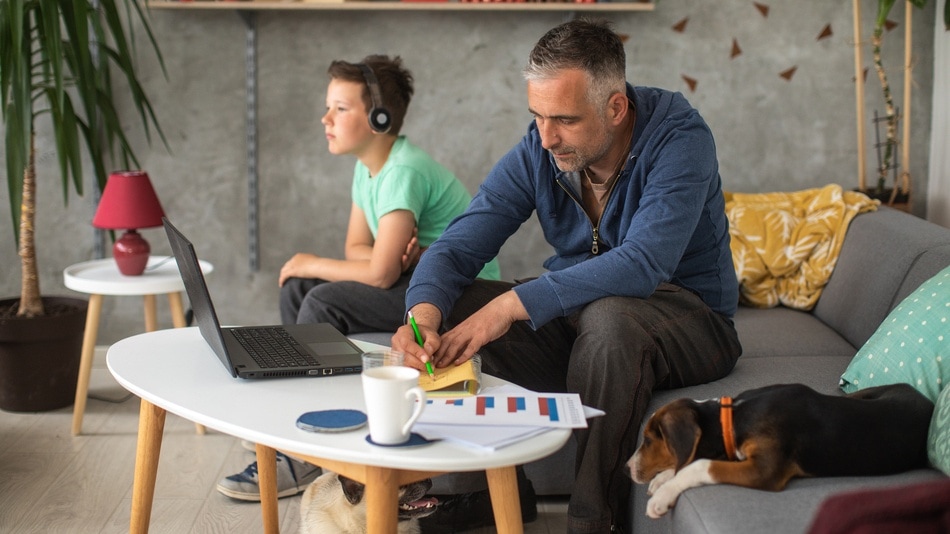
<point x="901" y="199"/>
<point x="39" y="357"/>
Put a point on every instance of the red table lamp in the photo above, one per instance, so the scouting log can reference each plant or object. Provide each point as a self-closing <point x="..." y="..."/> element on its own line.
<point x="128" y="203"/>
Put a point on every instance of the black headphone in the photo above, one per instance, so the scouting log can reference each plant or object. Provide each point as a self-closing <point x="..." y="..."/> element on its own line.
<point x="380" y="119"/>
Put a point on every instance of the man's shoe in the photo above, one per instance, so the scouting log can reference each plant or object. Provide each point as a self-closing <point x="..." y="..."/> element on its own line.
<point x="467" y="511"/>
<point x="293" y="477"/>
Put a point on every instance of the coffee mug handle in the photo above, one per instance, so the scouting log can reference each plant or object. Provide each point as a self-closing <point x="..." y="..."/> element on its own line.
<point x="420" y="395"/>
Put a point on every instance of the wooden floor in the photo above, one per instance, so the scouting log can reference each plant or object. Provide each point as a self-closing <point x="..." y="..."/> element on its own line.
<point x="53" y="482"/>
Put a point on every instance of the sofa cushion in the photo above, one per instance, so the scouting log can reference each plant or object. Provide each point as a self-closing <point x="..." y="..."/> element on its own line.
<point x="938" y="439"/>
<point x="725" y="509"/>
<point x="911" y="346"/>
<point x="783" y="331"/>
<point x="868" y="280"/>
<point x="818" y="372"/>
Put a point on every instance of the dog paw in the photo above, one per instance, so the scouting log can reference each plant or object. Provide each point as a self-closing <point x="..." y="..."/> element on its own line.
<point x="661" y="478"/>
<point x="661" y="503"/>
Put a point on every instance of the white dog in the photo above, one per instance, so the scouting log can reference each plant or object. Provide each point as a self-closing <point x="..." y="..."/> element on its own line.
<point x="333" y="504"/>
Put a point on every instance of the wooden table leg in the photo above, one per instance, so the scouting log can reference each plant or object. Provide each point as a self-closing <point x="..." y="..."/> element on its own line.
<point x="503" y="488"/>
<point x="178" y="320"/>
<point x="382" y="500"/>
<point x="267" y="482"/>
<point x="147" y="451"/>
<point x="178" y="311"/>
<point x="151" y="315"/>
<point x="85" y="363"/>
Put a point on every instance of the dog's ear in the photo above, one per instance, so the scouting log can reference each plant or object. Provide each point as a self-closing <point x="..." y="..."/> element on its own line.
<point x="679" y="427"/>
<point x="352" y="490"/>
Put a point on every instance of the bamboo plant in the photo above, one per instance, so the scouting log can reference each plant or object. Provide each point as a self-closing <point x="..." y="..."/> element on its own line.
<point x="890" y="114"/>
<point x="57" y="58"/>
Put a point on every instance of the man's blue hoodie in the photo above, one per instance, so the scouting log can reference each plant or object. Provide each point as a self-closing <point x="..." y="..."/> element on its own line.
<point x="664" y="221"/>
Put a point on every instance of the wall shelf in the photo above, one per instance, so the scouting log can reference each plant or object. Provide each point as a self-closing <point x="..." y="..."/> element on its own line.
<point x="390" y="5"/>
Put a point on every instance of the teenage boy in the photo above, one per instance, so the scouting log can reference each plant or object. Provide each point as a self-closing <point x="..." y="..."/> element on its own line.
<point x="402" y="201"/>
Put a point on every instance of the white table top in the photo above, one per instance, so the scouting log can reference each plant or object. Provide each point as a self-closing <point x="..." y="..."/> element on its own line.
<point x="102" y="277"/>
<point x="176" y="370"/>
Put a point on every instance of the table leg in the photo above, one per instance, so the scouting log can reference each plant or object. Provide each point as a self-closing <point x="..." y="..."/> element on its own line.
<point x="178" y="319"/>
<point x="178" y="311"/>
<point x="503" y="488"/>
<point x="151" y="427"/>
<point x="85" y="362"/>
<point x="382" y="499"/>
<point x="151" y="316"/>
<point x="267" y="482"/>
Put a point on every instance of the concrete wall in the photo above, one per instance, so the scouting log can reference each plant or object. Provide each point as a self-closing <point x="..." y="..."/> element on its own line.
<point x="773" y="132"/>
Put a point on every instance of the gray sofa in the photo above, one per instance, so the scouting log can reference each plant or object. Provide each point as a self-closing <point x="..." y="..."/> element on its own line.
<point x="885" y="256"/>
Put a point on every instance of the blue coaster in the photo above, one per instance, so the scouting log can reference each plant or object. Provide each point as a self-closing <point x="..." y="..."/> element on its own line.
<point x="331" y="421"/>
<point x="415" y="440"/>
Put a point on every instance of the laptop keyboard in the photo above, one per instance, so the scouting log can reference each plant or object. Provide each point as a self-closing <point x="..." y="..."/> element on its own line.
<point x="273" y="347"/>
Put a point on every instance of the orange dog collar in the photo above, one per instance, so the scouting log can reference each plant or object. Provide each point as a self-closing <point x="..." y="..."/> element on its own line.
<point x="728" y="432"/>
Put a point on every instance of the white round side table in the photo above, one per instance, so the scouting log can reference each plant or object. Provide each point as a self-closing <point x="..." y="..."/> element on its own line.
<point x="102" y="277"/>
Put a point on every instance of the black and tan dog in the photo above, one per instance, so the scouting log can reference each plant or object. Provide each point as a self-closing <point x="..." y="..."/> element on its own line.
<point x="333" y="504"/>
<point x="765" y="437"/>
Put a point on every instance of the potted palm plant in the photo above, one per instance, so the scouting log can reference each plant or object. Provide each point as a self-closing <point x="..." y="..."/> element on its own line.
<point x="57" y="60"/>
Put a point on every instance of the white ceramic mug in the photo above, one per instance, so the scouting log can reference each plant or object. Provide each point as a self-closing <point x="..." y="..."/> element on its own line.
<point x="394" y="401"/>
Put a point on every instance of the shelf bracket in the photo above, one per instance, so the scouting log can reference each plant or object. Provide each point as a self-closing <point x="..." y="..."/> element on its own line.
<point x="250" y="128"/>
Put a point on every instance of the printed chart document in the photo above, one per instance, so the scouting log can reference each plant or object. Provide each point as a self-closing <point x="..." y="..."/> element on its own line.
<point x="504" y="415"/>
<point x="526" y="408"/>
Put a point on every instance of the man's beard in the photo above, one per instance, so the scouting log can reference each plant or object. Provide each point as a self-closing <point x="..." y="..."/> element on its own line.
<point x="581" y="159"/>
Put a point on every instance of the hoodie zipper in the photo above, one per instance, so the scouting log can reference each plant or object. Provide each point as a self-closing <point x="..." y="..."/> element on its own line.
<point x="594" y="228"/>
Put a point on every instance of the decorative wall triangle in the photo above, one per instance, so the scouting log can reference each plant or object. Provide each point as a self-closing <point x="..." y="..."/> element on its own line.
<point x="691" y="82"/>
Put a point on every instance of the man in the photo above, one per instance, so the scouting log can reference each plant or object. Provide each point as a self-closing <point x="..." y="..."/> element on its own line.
<point x="641" y="288"/>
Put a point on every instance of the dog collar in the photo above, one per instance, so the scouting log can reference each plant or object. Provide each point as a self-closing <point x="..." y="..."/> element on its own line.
<point x="728" y="432"/>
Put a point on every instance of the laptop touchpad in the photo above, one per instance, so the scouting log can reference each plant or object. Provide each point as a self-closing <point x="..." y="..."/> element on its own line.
<point x="331" y="348"/>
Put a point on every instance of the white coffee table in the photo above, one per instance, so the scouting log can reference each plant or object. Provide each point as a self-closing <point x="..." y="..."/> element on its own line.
<point x="176" y="371"/>
<point x="102" y="277"/>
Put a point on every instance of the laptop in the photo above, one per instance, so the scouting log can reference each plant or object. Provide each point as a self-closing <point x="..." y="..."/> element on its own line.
<point x="274" y="351"/>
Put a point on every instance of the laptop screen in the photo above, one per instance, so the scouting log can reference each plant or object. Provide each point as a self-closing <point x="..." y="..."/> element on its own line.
<point x="198" y="292"/>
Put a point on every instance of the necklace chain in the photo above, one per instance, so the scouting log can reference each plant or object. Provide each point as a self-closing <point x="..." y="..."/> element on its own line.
<point x="619" y="166"/>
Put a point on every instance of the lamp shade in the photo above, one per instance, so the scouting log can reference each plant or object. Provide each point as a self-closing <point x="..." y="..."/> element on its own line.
<point x="128" y="202"/>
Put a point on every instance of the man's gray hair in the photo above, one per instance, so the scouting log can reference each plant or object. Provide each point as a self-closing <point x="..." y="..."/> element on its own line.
<point x="589" y="45"/>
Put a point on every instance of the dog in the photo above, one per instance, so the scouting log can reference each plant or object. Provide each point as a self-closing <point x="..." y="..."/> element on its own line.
<point x="333" y="504"/>
<point x="765" y="437"/>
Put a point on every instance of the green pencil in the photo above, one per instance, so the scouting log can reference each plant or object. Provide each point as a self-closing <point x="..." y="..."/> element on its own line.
<point x="415" y="328"/>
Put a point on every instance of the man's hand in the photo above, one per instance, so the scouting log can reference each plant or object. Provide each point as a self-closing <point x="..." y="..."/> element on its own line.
<point x="296" y="267"/>
<point x="428" y="318"/>
<point x="482" y="327"/>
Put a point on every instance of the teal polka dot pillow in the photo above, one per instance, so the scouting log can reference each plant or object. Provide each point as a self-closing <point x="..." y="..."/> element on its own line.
<point x="938" y="442"/>
<point x="911" y="346"/>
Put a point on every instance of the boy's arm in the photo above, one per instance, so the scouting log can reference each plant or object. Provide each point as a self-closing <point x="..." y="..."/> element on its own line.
<point x="377" y="263"/>
<point x="359" y="238"/>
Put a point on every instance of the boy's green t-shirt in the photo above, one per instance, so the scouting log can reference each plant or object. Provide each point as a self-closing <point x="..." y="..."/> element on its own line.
<point x="411" y="180"/>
